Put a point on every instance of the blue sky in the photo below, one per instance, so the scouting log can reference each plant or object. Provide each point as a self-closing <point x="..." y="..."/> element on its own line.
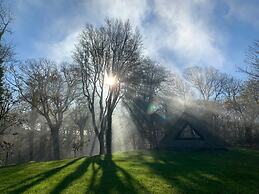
<point x="176" y="33"/>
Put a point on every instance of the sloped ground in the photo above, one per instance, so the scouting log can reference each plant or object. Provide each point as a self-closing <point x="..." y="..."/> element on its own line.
<point x="234" y="171"/>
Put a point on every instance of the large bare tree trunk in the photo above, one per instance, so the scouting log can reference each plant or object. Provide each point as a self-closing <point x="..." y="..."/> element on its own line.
<point x="101" y="143"/>
<point x="31" y="144"/>
<point x="33" y="119"/>
<point x="55" y="143"/>
<point x="109" y="134"/>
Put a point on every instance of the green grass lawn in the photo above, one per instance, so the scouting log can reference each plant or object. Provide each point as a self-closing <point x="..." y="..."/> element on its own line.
<point x="235" y="171"/>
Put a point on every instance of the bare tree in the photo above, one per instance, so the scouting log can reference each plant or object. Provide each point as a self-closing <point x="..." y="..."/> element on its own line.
<point x="80" y="116"/>
<point x="5" y="20"/>
<point x="249" y="99"/>
<point x="180" y="88"/>
<point x="6" y="100"/>
<point x="7" y="147"/>
<point x="252" y="61"/>
<point x="208" y="81"/>
<point x="49" y="89"/>
<point x="209" y="84"/>
<point x="232" y="91"/>
<point x="7" y="117"/>
<point x="242" y="99"/>
<point x="107" y="57"/>
<point x="249" y="96"/>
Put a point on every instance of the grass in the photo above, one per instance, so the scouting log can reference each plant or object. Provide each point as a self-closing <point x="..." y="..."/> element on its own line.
<point x="235" y="171"/>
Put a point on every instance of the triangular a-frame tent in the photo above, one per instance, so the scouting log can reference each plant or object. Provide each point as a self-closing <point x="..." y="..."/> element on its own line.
<point x="189" y="132"/>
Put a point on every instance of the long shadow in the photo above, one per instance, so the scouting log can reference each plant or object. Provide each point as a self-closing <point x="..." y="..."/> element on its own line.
<point x="111" y="181"/>
<point x="39" y="178"/>
<point x="180" y="173"/>
<point x="79" y="172"/>
<point x="202" y="172"/>
<point x="94" y="176"/>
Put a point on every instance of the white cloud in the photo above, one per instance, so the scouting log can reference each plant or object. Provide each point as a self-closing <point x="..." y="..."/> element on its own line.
<point x="135" y="10"/>
<point x="59" y="51"/>
<point x="182" y="28"/>
<point x="187" y="31"/>
<point x="95" y="12"/>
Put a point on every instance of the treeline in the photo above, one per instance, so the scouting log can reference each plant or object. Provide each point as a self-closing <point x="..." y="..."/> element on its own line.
<point x="53" y="111"/>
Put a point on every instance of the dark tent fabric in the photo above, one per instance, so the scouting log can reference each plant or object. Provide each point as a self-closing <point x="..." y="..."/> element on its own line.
<point x="190" y="132"/>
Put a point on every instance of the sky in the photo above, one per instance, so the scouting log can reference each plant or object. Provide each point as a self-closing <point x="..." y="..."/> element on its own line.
<point x="176" y="33"/>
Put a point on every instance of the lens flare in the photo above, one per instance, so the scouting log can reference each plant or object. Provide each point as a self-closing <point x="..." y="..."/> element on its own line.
<point x="111" y="80"/>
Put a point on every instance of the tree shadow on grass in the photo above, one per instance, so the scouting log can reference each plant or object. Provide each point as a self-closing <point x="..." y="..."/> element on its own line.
<point x="27" y="184"/>
<point x="79" y="172"/>
<point x="201" y="172"/>
<point x="94" y="175"/>
<point x="114" y="179"/>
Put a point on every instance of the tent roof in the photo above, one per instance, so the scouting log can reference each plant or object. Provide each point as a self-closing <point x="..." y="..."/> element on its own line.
<point x="208" y="140"/>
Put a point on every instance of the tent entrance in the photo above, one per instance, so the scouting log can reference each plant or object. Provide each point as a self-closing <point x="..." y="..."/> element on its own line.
<point x="188" y="133"/>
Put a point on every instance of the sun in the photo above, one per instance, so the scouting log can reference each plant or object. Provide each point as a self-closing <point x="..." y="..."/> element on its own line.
<point x="111" y="80"/>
